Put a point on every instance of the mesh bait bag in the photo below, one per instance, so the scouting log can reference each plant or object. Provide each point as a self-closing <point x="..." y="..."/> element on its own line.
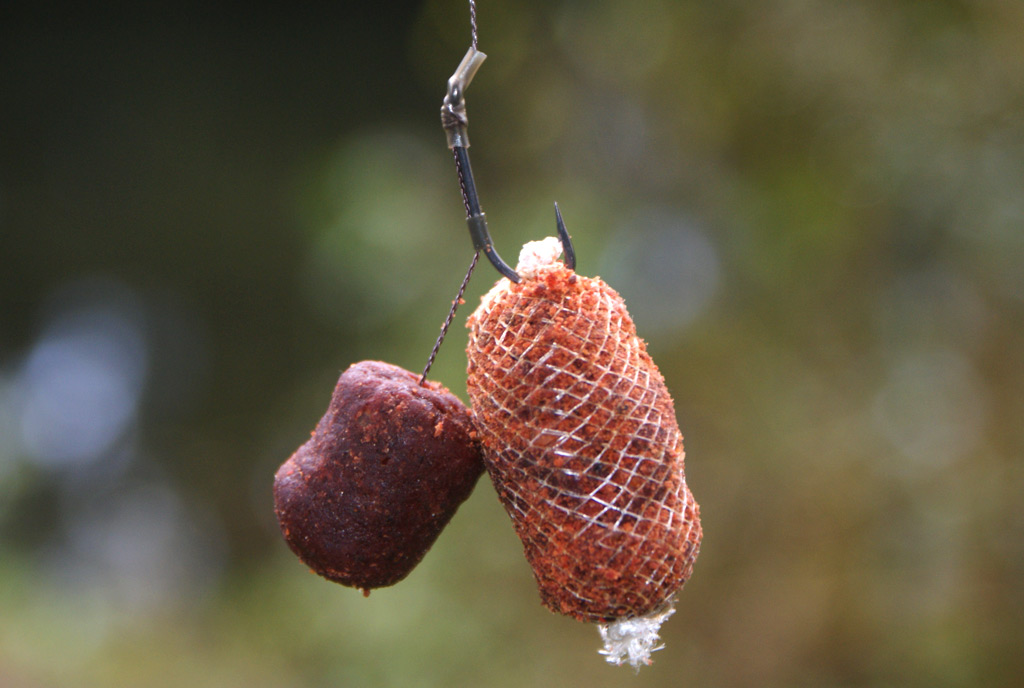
<point x="581" y="441"/>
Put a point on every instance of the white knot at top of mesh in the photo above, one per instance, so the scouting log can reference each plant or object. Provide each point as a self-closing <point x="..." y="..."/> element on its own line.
<point x="537" y="255"/>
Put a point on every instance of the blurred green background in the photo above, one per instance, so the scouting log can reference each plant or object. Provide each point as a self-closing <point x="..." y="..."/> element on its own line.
<point x="815" y="210"/>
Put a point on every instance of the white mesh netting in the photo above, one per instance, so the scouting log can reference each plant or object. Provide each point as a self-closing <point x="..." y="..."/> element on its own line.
<point x="582" y="444"/>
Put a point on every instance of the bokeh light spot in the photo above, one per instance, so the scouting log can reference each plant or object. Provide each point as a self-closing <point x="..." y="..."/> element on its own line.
<point x="664" y="266"/>
<point x="81" y="383"/>
<point x="932" y="409"/>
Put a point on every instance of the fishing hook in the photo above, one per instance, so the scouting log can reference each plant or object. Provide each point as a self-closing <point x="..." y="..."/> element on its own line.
<point x="456" y="124"/>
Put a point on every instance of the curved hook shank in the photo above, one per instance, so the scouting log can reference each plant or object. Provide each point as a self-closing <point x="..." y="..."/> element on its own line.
<point x="455" y="123"/>
<point x="482" y="242"/>
<point x="476" y="218"/>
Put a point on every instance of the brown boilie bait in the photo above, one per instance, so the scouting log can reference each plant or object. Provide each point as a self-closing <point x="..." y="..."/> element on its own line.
<point x="385" y="470"/>
<point x="581" y="440"/>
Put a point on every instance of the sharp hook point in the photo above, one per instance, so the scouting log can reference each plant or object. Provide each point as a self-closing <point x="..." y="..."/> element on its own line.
<point x="563" y="235"/>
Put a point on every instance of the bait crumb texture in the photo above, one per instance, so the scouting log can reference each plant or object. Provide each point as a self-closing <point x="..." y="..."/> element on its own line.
<point x="386" y="468"/>
<point x="581" y="441"/>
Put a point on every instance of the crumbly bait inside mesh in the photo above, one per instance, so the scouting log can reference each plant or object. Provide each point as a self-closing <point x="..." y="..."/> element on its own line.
<point x="582" y="444"/>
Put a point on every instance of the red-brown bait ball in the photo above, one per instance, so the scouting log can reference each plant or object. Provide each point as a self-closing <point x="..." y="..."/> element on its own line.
<point x="385" y="470"/>
<point x="581" y="440"/>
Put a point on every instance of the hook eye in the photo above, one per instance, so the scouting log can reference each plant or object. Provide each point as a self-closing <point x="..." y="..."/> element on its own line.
<point x="464" y="73"/>
<point x="453" y="109"/>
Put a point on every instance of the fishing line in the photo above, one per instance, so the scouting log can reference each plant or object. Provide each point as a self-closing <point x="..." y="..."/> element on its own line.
<point x="466" y="202"/>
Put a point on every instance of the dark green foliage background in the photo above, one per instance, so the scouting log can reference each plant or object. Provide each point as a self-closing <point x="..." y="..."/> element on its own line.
<point x="814" y="208"/>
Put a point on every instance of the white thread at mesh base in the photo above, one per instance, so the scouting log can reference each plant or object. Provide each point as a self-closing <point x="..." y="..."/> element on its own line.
<point x="633" y="640"/>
